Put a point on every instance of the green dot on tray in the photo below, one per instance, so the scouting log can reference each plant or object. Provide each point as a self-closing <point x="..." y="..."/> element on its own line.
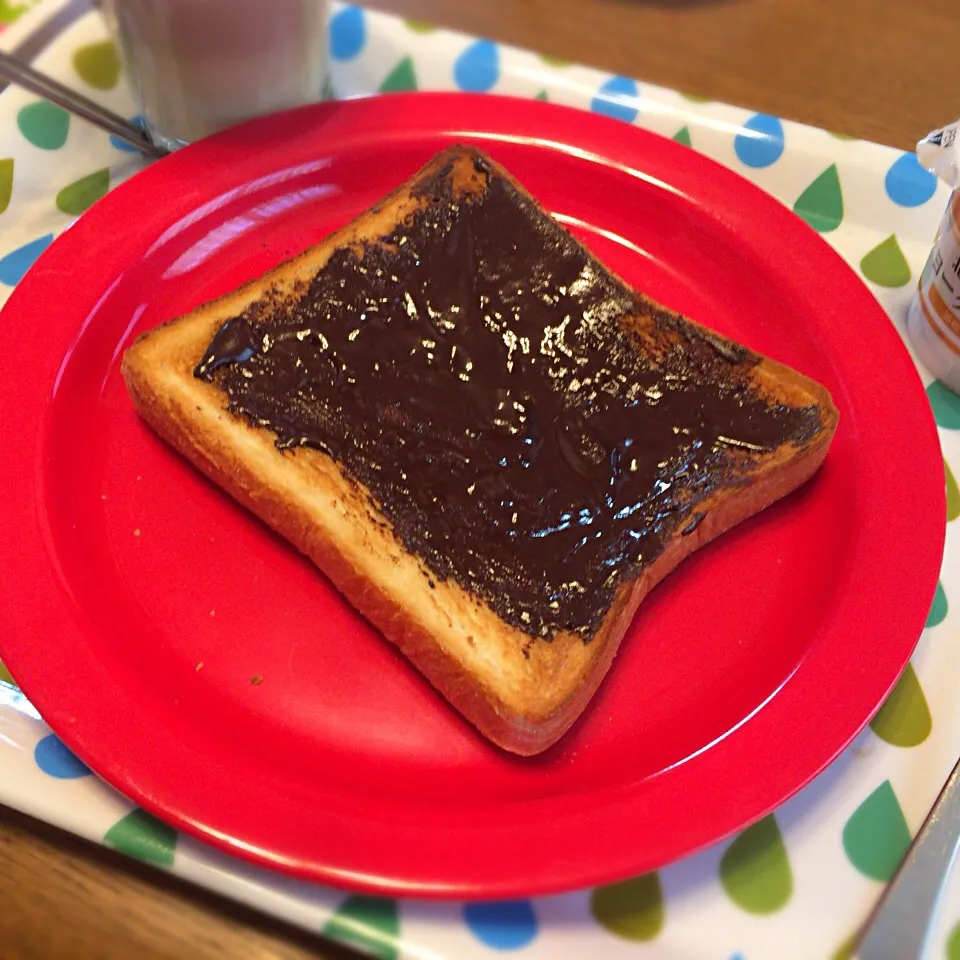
<point x="6" y="182"/>
<point x="401" y="77"/>
<point x="821" y="204"/>
<point x="143" y="837"/>
<point x="904" y="719"/>
<point x="845" y="950"/>
<point x="77" y="196"/>
<point x="945" y="404"/>
<point x="876" y="836"/>
<point x="953" y="943"/>
<point x="372" y="924"/>
<point x="953" y="494"/>
<point x="885" y="265"/>
<point x="939" y="607"/>
<point x="98" y="64"/>
<point x="44" y="125"/>
<point x="755" y="870"/>
<point x="10" y="11"/>
<point x="632" y="910"/>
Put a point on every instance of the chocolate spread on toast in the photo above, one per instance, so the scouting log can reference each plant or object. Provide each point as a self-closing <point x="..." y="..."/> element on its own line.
<point x="473" y="370"/>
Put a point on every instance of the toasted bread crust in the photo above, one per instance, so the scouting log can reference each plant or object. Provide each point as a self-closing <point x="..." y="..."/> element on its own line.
<point x="521" y="695"/>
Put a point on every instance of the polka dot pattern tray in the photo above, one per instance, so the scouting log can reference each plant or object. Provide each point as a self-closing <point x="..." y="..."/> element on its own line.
<point x="796" y="884"/>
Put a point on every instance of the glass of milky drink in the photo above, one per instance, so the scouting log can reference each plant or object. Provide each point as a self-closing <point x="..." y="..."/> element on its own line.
<point x="199" y="66"/>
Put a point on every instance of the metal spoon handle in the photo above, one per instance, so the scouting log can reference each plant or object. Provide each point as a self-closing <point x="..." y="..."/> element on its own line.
<point x="15" y="71"/>
<point x="903" y="920"/>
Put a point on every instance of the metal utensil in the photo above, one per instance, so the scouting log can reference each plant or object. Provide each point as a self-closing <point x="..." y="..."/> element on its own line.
<point x="901" y="924"/>
<point x="15" y="71"/>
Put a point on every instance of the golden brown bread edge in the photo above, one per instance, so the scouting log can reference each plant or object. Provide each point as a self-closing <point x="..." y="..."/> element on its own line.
<point x="522" y="696"/>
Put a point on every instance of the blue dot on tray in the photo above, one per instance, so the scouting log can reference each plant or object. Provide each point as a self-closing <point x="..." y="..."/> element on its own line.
<point x="761" y="143"/>
<point x="122" y="144"/>
<point x="908" y="184"/>
<point x="55" y="759"/>
<point x="348" y="33"/>
<point x="478" y="68"/>
<point x="14" y="265"/>
<point x="503" y="925"/>
<point x="618" y="98"/>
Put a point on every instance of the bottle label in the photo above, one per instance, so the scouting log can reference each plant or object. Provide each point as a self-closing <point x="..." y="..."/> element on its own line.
<point x="938" y="292"/>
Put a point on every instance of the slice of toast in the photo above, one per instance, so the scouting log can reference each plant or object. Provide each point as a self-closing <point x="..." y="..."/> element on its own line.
<point x="489" y="443"/>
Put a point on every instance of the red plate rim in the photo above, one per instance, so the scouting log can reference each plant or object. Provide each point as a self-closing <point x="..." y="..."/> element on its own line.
<point x="784" y="745"/>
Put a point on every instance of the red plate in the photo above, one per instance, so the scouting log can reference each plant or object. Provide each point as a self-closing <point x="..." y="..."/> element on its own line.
<point x="304" y="741"/>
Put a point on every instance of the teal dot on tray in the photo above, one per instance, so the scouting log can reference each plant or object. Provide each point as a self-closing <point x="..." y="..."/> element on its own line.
<point x="143" y="837"/>
<point x="478" y="68"/>
<point x="761" y="143"/>
<point x="371" y="924"/>
<point x="44" y="125"/>
<point x="503" y="925"/>
<point x="348" y="33"/>
<point x="14" y="265"/>
<point x="876" y="836"/>
<point x="945" y="403"/>
<point x="908" y="184"/>
<point x="618" y="98"/>
<point x="939" y="608"/>
<point x="55" y="759"/>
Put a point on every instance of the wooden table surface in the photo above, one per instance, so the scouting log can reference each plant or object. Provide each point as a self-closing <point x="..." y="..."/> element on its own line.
<point x="870" y="68"/>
